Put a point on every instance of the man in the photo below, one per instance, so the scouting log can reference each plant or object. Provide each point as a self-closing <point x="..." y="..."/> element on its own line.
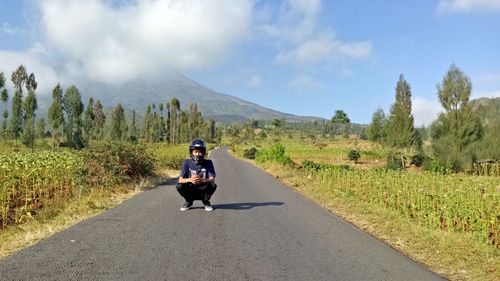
<point x="197" y="178"/>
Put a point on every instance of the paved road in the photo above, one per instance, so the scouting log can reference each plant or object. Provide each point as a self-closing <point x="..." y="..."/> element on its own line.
<point x="259" y="230"/>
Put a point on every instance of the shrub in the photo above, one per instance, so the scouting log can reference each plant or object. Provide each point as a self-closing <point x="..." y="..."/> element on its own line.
<point x="310" y="165"/>
<point x="250" y="153"/>
<point x="435" y="166"/>
<point x="275" y="153"/>
<point x="395" y="161"/>
<point x="417" y="159"/>
<point x="112" y="162"/>
<point x="353" y="155"/>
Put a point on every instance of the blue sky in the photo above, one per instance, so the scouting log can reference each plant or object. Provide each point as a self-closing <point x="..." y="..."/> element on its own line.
<point x="305" y="57"/>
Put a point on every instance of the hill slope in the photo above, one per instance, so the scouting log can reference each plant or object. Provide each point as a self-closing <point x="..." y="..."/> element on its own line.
<point x="223" y="108"/>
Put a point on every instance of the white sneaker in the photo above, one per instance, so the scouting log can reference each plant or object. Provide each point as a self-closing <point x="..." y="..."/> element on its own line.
<point x="208" y="207"/>
<point x="186" y="206"/>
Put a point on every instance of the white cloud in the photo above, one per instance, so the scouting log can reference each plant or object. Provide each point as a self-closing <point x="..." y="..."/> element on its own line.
<point x="295" y="20"/>
<point x="254" y="82"/>
<point x="300" y="40"/>
<point x="466" y="6"/>
<point x="425" y="111"/>
<point x="324" y="48"/>
<point x="46" y="76"/>
<point x="143" y="37"/>
<point x="305" y="84"/>
<point x="8" y="29"/>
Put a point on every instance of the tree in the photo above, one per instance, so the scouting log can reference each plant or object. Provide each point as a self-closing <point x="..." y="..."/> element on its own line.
<point x="99" y="120"/>
<point x="455" y="90"/>
<point x="343" y="122"/>
<point x="118" y="124"/>
<point x="73" y="106"/>
<point x="147" y="124"/>
<point x="175" y="107"/>
<point x="132" y="129"/>
<point x="2" y="80"/>
<point x="88" y="122"/>
<point x="167" y="123"/>
<point x="376" y="130"/>
<point x="19" y="78"/>
<point x="40" y="128"/>
<point x="4" y="97"/>
<point x="458" y="128"/>
<point x="30" y="105"/>
<point x="400" y="130"/>
<point x="55" y="114"/>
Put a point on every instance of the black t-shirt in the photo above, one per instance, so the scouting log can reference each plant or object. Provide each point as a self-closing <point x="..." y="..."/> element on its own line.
<point x="205" y="169"/>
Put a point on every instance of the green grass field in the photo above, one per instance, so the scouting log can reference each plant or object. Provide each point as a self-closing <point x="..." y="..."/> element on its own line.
<point x="450" y="222"/>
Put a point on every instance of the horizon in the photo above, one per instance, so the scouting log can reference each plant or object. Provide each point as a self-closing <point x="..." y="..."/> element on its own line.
<point x="302" y="57"/>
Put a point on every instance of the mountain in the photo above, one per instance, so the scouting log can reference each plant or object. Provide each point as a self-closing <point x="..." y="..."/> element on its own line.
<point x="488" y="109"/>
<point x="136" y="95"/>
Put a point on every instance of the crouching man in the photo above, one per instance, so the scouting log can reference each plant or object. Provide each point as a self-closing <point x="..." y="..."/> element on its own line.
<point x="197" y="178"/>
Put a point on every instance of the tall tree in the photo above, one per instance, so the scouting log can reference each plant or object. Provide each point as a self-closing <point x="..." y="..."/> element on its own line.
<point x="147" y="124"/>
<point x="458" y="128"/>
<point x="175" y="107"/>
<point x="2" y="80"/>
<point x="343" y="122"/>
<point x="19" y="78"/>
<point x="4" y="97"/>
<point x="132" y="129"/>
<point x="40" y="128"/>
<point x="73" y="106"/>
<point x="167" y="123"/>
<point x="30" y="105"/>
<point x="99" y="120"/>
<point x="118" y="124"/>
<point x="55" y="114"/>
<point x="88" y="122"/>
<point x="400" y="130"/>
<point x="376" y="130"/>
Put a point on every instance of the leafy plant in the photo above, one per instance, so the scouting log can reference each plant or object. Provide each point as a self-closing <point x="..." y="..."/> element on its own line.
<point x="353" y="155"/>
<point x="250" y="153"/>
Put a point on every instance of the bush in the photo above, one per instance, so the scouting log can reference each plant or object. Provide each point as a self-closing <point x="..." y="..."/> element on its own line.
<point x="250" y="153"/>
<point x="353" y="155"/>
<point x="112" y="162"/>
<point x="417" y="159"/>
<point x="310" y="165"/>
<point x="275" y="153"/>
<point x="395" y="161"/>
<point x="435" y="166"/>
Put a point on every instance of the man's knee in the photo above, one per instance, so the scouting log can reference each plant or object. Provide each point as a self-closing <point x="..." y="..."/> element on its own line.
<point x="182" y="185"/>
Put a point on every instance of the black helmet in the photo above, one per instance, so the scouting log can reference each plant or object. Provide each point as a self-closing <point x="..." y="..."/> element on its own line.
<point x="199" y="145"/>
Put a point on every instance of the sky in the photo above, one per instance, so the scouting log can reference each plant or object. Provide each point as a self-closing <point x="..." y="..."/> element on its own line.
<point x="304" y="57"/>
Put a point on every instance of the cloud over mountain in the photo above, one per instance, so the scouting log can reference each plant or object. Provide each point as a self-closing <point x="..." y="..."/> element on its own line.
<point x="142" y="38"/>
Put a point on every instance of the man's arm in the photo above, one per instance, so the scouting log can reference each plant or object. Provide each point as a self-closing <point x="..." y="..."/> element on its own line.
<point x="185" y="172"/>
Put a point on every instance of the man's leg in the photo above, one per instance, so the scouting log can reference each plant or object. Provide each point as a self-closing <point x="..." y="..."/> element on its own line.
<point x="187" y="191"/>
<point x="208" y="191"/>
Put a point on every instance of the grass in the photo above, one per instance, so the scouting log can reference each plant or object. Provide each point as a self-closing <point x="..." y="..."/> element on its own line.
<point x="55" y="218"/>
<point x="458" y="256"/>
<point x="62" y="214"/>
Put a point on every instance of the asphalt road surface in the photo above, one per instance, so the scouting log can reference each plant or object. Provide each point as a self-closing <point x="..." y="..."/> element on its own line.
<point x="259" y="230"/>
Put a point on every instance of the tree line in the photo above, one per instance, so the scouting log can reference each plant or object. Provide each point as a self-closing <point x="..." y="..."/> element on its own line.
<point x="72" y="124"/>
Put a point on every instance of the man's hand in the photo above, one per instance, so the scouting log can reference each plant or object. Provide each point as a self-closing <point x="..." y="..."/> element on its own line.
<point x="196" y="179"/>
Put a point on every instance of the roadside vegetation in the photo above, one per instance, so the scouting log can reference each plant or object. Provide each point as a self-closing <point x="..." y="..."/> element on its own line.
<point x="433" y="193"/>
<point x="80" y="160"/>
